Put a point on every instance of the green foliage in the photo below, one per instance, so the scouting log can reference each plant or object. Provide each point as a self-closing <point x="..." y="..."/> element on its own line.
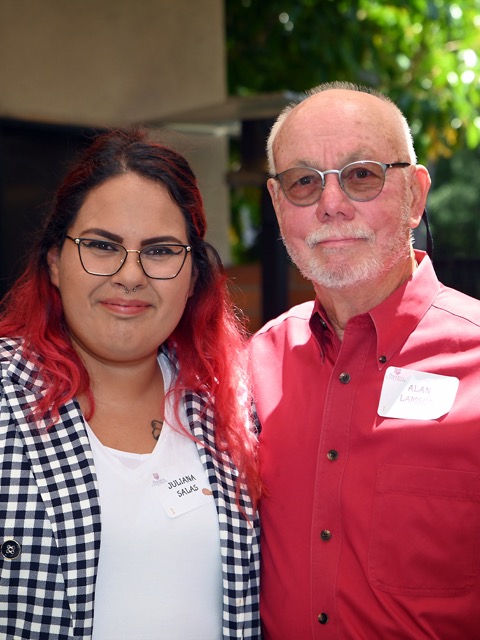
<point x="422" y="53"/>
<point x="454" y="205"/>
<point x="245" y="224"/>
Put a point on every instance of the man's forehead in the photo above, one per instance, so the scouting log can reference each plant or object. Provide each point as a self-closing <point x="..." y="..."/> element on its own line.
<point x="304" y="142"/>
<point x="331" y="109"/>
<point x="342" y="125"/>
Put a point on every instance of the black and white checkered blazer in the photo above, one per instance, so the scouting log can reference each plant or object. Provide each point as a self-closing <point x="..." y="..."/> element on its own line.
<point x="50" y="526"/>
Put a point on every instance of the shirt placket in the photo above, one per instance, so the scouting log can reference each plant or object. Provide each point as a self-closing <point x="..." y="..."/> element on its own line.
<point x="345" y="378"/>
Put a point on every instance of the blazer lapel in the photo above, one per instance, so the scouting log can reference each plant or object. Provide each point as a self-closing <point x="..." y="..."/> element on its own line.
<point x="62" y="463"/>
<point x="236" y="532"/>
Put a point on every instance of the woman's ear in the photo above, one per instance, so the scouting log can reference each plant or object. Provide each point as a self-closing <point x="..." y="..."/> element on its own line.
<point x="193" y="282"/>
<point x="53" y="258"/>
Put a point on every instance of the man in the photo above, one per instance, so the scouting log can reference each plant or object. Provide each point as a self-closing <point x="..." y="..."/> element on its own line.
<point x="368" y="397"/>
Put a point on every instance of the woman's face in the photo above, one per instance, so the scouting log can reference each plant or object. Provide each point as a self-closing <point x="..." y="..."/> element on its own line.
<point x="107" y="323"/>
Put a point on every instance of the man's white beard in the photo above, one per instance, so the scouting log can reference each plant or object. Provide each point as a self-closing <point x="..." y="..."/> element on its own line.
<point x="340" y="274"/>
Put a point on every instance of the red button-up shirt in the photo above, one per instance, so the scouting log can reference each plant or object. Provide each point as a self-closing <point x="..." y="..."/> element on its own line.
<point x="371" y="529"/>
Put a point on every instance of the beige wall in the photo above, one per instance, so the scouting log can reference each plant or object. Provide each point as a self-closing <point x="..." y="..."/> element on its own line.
<point x="207" y="151"/>
<point x="114" y="62"/>
<point x="107" y="62"/>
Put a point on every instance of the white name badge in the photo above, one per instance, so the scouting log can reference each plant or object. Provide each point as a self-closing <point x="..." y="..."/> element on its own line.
<point x="181" y="492"/>
<point x="416" y="395"/>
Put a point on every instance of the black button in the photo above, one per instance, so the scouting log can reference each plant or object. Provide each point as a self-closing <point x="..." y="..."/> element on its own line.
<point x="344" y="378"/>
<point x="323" y="323"/>
<point x="332" y="455"/>
<point x="326" y="535"/>
<point x="10" y="549"/>
<point x="322" y="618"/>
<point x="382" y="359"/>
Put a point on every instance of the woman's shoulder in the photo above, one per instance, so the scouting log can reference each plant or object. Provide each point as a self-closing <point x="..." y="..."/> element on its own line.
<point x="14" y="361"/>
<point x="9" y="347"/>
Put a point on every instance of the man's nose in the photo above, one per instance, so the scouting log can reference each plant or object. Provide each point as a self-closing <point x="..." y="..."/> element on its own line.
<point x="333" y="199"/>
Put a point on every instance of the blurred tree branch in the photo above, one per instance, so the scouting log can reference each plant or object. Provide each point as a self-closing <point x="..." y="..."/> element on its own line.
<point x="422" y="53"/>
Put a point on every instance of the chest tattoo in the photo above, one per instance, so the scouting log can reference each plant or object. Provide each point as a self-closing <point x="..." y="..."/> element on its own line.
<point x="156" y="428"/>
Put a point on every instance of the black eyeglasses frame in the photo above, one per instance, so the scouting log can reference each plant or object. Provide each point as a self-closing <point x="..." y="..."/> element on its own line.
<point x="78" y="241"/>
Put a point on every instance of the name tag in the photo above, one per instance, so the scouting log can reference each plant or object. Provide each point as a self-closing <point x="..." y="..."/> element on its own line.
<point x="416" y="395"/>
<point x="181" y="492"/>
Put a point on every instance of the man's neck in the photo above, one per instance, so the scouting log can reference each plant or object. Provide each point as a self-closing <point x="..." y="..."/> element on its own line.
<point x="344" y="303"/>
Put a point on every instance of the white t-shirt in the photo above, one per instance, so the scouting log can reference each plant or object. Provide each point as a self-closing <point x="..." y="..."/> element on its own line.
<point x="159" y="574"/>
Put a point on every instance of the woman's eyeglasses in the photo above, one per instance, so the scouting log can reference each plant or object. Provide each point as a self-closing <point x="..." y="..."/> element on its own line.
<point x="106" y="258"/>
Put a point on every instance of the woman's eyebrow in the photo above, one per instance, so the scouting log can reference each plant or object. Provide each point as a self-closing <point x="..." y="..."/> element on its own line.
<point x="116" y="238"/>
<point x="162" y="239"/>
<point x="102" y="232"/>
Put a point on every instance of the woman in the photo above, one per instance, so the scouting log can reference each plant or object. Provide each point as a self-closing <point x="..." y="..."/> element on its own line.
<point x="128" y="466"/>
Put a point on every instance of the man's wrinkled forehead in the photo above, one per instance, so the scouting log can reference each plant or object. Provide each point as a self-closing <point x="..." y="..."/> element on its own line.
<point x="346" y="121"/>
<point x="333" y="110"/>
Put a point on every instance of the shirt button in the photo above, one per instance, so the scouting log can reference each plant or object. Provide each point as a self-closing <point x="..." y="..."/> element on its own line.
<point x="326" y="535"/>
<point x="322" y="618"/>
<point x="332" y="455"/>
<point x="344" y="378"/>
<point x="10" y="549"/>
<point x="382" y="359"/>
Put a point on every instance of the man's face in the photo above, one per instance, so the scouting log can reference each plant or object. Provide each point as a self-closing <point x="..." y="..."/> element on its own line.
<point x="339" y="242"/>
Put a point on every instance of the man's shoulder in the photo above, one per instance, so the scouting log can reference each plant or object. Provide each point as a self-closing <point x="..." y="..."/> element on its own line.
<point x="295" y="319"/>
<point x="458" y="304"/>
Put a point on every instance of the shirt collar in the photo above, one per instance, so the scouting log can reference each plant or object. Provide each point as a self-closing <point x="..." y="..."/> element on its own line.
<point x="395" y="318"/>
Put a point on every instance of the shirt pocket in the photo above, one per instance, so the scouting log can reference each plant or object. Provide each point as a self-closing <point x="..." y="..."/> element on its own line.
<point x="425" y="536"/>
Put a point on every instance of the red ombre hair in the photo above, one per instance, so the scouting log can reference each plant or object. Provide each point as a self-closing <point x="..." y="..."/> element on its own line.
<point x="208" y="341"/>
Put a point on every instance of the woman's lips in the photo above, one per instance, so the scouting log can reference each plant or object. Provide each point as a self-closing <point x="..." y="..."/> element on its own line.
<point x="127" y="307"/>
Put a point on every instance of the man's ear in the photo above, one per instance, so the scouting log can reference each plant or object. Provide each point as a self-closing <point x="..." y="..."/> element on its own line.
<point x="53" y="258"/>
<point x="272" y="186"/>
<point x="420" y="186"/>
